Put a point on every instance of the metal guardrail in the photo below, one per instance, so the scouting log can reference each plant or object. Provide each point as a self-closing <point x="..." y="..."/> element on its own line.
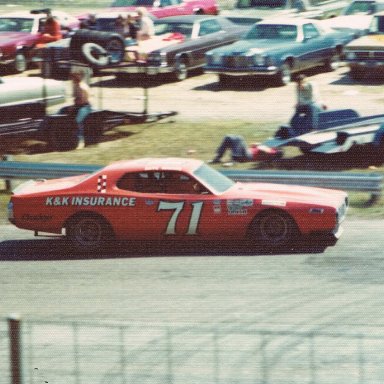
<point x="348" y="181"/>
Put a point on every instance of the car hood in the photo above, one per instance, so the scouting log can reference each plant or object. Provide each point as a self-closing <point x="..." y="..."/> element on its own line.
<point x="45" y="186"/>
<point x="264" y="13"/>
<point x="244" y="47"/>
<point x="280" y="195"/>
<point x="349" y="21"/>
<point x="375" y="41"/>
<point x="8" y="37"/>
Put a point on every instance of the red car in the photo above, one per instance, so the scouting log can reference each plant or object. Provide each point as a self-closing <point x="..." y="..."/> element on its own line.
<point x="21" y="31"/>
<point x="165" y="8"/>
<point x="175" y="199"/>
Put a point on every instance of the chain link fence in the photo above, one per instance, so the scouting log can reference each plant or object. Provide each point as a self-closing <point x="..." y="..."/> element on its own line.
<point x="90" y="353"/>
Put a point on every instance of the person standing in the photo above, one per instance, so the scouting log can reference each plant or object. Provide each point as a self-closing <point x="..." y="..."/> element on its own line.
<point x="81" y="107"/>
<point x="308" y="106"/>
<point x="146" y="28"/>
<point x="52" y="30"/>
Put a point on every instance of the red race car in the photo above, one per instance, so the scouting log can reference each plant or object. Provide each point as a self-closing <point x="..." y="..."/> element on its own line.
<point x="175" y="199"/>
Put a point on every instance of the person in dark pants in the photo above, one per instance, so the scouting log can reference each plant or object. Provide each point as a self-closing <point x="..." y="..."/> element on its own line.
<point x="242" y="153"/>
<point x="308" y="106"/>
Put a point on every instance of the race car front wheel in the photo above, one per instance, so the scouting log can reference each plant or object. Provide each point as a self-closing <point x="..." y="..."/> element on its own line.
<point x="88" y="232"/>
<point x="273" y="229"/>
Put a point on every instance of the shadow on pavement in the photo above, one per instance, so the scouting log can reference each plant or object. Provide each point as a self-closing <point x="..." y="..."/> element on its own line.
<point x="56" y="249"/>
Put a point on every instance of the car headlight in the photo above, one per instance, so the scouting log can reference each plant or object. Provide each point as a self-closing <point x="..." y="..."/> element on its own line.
<point x="350" y="55"/>
<point x="215" y="59"/>
<point x="259" y="59"/>
<point x="157" y="58"/>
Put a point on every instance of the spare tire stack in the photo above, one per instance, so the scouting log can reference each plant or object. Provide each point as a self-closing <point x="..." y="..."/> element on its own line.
<point x="97" y="48"/>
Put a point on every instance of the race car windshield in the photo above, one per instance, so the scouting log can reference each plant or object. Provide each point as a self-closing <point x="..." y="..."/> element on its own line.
<point x="13" y="24"/>
<point x="212" y="179"/>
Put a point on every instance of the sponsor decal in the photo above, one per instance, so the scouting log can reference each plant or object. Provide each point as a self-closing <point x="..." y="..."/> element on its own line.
<point x="239" y="206"/>
<point x="102" y="184"/>
<point x="275" y="203"/>
<point x="30" y="217"/>
<point x="90" y="201"/>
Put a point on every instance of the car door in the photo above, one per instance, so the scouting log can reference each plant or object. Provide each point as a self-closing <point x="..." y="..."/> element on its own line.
<point x="209" y="34"/>
<point x="316" y="47"/>
<point x="168" y="205"/>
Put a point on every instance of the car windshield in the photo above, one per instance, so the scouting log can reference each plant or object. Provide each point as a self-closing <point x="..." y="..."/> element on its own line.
<point x="212" y="179"/>
<point x="133" y="3"/>
<point x="377" y="25"/>
<point x="360" y="8"/>
<point x="182" y="28"/>
<point x="262" y="4"/>
<point x="15" y="24"/>
<point x="272" y="32"/>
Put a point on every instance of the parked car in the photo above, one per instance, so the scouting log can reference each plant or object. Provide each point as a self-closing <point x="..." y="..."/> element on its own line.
<point x="357" y="15"/>
<point x="166" y="8"/>
<point x="278" y="48"/>
<point x="366" y="54"/>
<point x="21" y="31"/>
<point x="24" y="97"/>
<point x="179" y="45"/>
<point x="250" y="11"/>
<point x="175" y="199"/>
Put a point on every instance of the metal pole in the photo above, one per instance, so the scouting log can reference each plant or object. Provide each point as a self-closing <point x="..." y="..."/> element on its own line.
<point x="8" y="183"/>
<point x="14" y="329"/>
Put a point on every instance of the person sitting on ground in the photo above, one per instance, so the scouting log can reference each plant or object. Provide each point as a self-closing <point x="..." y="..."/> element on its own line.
<point x="81" y="107"/>
<point x="52" y="30"/>
<point x="242" y="153"/>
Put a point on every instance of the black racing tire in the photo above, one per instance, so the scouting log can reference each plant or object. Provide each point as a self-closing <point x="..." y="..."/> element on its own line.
<point x="273" y="229"/>
<point x="60" y="131"/>
<point x="111" y="42"/>
<point x="283" y="76"/>
<point x="88" y="232"/>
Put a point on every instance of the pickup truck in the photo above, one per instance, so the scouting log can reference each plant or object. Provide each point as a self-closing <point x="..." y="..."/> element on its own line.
<point x="338" y="131"/>
<point x="251" y="11"/>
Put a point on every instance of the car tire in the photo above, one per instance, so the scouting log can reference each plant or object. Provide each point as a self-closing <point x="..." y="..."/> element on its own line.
<point x="225" y="79"/>
<point x="93" y="127"/>
<point x="88" y="232"/>
<point x="181" y="69"/>
<point x="95" y="54"/>
<point x="111" y="42"/>
<point x="356" y="74"/>
<point x="332" y="63"/>
<point x="284" y="75"/>
<point x="20" y="64"/>
<point x="273" y="229"/>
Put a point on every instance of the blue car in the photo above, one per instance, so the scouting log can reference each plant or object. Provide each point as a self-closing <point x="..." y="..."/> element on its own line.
<point x="279" y="48"/>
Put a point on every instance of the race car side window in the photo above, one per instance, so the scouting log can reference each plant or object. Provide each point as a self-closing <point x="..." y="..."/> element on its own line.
<point x="170" y="182"/>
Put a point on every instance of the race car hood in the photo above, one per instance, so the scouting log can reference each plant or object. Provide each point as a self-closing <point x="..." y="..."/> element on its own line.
<point x="280" y="195"/>
<point x="375" y="41"/>
<point x="41" y="186"/>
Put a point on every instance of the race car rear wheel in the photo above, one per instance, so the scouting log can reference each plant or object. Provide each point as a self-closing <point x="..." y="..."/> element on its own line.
<point x="88" y="232"/>
<point x="273" y="229"/>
